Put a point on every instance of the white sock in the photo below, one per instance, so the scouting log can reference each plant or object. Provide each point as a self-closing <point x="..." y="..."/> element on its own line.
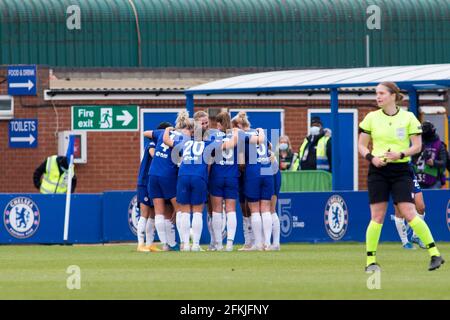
<point x="246" y="224"/>
<point x="251" y="232"/>
<point x="141" y="230"/>
<point x="197" y="226"/>
<point x="210" y="230"/>
<point x="267" y="227"/>
<point x="401" y="229"/>
<point x="150" y="231"/>
<point x="217" y="227"/>
<point x="160" y="228"/>
<point x="231" y="227"/>
<point x="276" y="227"/>
<point x="257" y="228"/>
<point x="178" y="225"/>
<point x="185" y="227"/>
<point x="170" y="232"/>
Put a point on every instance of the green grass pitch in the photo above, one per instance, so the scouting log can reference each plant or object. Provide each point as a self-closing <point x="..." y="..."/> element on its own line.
<point x="299" y="271"/>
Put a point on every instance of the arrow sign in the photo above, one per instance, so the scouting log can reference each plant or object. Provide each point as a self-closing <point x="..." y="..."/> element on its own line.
<point x="22" y="80"/>
<point x="23" y="133"/>
<point x="28" y="85"/>
<point x="30" y="139"/>
<point x="105" y="118"/>
<point x="126" y="117"/>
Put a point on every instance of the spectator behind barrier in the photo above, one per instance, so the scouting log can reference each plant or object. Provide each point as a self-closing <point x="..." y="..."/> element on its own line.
<point x="285" y="152"/>
<point x="315" y="151"/>
<point x="431" y="163"/>
<point x="52" y="175"/>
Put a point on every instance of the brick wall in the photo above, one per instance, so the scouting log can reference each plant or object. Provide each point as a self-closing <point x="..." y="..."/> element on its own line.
<point x="113" y="158"/>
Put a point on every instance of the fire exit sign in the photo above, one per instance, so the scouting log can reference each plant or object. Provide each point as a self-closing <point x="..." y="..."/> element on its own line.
<point x="105" y="118"/>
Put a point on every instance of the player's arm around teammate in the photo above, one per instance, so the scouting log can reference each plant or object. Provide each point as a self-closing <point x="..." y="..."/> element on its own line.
<point x="252" y="149"/>
<point x="192" y="183"/>
<point x="163" y="183"/>
<point x="224" y="184"/>
<point x="395" y="136"/>
<point x="259" y="184"/>
<point x="260" y="206"/>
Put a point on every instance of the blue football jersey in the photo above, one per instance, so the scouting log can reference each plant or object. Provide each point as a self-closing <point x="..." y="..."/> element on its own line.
<point x="214" y="134"/>
<point x="162" y="163"/>
<point x="225" y="161"/>
<point x="196" y="156"/>
<point x="257" y="159"/>
<point x="145" y="164"/>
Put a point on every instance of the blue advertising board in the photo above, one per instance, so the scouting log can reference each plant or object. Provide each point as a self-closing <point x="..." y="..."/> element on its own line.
<point x="112" y="217"/>
<point x="121" y="216"/>
<point x="344" y="216"/>
<point x="23" y="133"/>
<point x="39" y="218"/>
<point x="22" y="80"/>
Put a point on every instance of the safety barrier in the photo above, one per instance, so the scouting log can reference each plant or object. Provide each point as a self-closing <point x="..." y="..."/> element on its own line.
<point x="112" y="216"/>
<point x="305" y="180"/>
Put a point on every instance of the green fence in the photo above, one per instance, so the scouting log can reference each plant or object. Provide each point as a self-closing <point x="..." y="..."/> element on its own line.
<point x="244" y="34"/>
<point x="306" y="180"/>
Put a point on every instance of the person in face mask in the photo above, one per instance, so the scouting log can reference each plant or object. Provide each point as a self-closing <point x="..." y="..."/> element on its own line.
<point x="52" y="176"/>
<point x="315" y="151"/>
<point x="285" y="151"/>
<point x="430" y="164"/>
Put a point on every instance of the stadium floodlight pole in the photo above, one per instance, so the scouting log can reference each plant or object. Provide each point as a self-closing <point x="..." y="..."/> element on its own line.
<point x="69" y="155"/>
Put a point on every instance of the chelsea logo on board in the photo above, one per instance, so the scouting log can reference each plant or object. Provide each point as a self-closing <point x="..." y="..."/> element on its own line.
<point x="336" y="217"/>
<point x="133" y="214"/>
<point x="21" y="217"/>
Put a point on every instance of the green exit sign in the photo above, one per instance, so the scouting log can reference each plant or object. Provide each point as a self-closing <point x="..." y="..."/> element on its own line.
<point x="105" y="118"/>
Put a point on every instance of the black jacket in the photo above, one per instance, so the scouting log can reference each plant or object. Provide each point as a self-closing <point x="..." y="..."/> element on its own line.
<point x="441" y="157"/>
<point x="62" y="163"/>
<point x="311" y="159"/>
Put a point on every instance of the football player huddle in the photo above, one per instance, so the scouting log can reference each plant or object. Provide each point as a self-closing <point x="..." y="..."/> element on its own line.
<point x="190" y="166"/>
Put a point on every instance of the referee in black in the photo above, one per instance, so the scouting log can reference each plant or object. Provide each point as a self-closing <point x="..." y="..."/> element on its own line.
<point x="395" y="136"/>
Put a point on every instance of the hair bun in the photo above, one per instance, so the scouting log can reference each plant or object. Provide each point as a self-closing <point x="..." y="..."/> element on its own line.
<point x="183" y="115"/>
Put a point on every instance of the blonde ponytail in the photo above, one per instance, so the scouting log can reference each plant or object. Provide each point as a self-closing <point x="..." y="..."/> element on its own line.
<point x="241" y="119"/>
<point x="183" y="120"/>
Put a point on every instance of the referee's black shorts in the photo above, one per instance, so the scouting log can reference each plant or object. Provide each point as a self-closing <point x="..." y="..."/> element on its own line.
<point x="393" y="179"/>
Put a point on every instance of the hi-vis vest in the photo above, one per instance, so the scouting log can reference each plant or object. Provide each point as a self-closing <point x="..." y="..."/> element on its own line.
<point x="322" y="162"/>
<point x="53" y="182"/>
